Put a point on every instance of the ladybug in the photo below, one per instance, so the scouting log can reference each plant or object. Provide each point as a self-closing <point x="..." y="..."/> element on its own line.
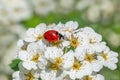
<point x="53" y="36"/>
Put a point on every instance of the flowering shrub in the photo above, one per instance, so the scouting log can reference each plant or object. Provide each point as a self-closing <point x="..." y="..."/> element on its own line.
<point x="80" y="55"/>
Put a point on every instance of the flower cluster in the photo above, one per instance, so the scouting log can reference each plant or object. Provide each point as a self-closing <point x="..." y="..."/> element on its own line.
<point x="11" y="11"/>
<point x="80" y="55"/>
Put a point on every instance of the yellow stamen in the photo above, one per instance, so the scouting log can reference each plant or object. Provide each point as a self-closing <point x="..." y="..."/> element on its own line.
<point x="24" y="47"/>
<point x="58" y="60"/>
<point x="91" y="41"/>
<point x="74" y="42"/>
<point x="54" y="66"/>
<point x="29" y="76"/>
<point x="35" y="58"/>
<point x="89" y="57"/>
<point x="87" y="78"/>
<point x="104" y="56"/>
<point x="39" y="38"/>
<point x="76" y="65"/>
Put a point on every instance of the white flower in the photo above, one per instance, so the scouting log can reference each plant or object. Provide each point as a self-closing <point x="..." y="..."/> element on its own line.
<point x="94" y="77"/>
<point x="67" y="28"/>
<point x="85" y="55"/>
<point x="35" y="34"/>
<point x="22" y="45"/>
<point x="56" y="55"/>
<point x="93" y="17"/>
<point x="57" y="63"/>
<point x="107" y="11"/>
<point x="78" y="70"/>
<point x="97" y="7"/>
<point x="4" y="18"/>
<point x="43" y="7"/>
<point x="71" y="25"/>
<point x="69" y="4"/>
<point x="82" y="4"/>
<point x="92" y="36"/>
<point x="32" y="56"/>
<point x="81" y="54"/>
<point x="25" y="75"/>
<point x="87" y="36"/>
<point x="17" y="12"/>
<point x="113" y="38"/>
<point x="108" y="58"/>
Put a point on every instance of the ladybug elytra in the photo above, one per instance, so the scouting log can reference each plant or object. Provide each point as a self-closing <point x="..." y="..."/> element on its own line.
<point x="52" y="36"/>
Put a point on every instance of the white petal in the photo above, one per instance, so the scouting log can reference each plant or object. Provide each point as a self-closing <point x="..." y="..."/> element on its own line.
<point x="97" y="66"/>
<point x="20" y="43"/>
<point x="68" y="60"/>
<point x="98" y="77"/>
<point x="16" y="75"/>
<point x="29" y="65"/>
<point x="48" y="75"/>
<point x="30" y="35"/>
<point x="42" y="63"/>
<point x="79" y="53"/>
<point x="53" y="52"/>
<point x="110" y="65"/>
<point x="23" y="55"/>
<point x="72" y="25"/>
<point x="40" y="29"/>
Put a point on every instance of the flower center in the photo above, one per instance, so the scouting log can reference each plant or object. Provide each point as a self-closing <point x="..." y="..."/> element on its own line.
<point x="91" y="41"/>
<point x="54" y="66"/>
<point x="24" y="47"/>
<point x="74" y="42"/>
<point x="29" y="76"/>
<point x="35" y="58"/>
<point x="39" y="38"/>
<point x="87" y="78"/>
<point x="89" y="57"/>
<point x="104" y="56"/>
<point x="58" y="60"/>
<point x="76" y="65"/>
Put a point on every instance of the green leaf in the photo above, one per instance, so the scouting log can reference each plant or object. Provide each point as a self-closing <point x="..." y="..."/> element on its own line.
<point x="68" y="49"/>
<point x="14" y="64"/>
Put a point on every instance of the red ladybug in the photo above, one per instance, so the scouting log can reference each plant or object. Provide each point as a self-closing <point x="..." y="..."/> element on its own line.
<point x="52" y="36"/>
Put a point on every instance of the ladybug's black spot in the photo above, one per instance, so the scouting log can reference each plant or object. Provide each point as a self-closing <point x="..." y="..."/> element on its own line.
<point x="51" y="34"/>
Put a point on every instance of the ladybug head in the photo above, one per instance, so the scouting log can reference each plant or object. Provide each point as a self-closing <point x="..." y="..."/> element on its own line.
<point x="60" y="36"/>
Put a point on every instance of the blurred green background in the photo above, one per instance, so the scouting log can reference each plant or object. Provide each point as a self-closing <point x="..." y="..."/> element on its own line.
<point x="16" y="16"/>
